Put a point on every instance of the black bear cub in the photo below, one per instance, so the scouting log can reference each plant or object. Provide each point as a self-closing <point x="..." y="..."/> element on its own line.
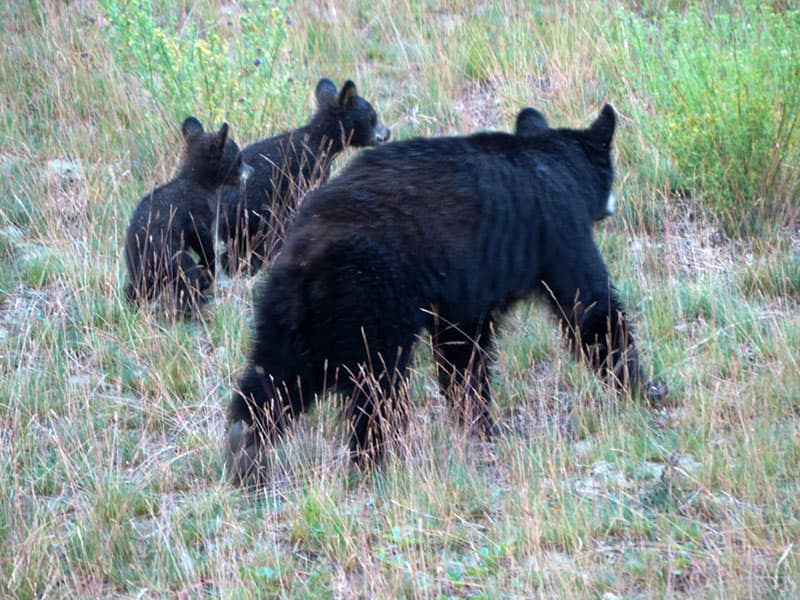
<point x="177" y="217"/>
<point x="443" y="234"/>
<point x="286" y="167"/>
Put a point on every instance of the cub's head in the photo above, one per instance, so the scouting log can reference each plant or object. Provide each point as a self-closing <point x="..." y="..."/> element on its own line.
<point x="354" y="118"/>
<point x="212" y="158"/>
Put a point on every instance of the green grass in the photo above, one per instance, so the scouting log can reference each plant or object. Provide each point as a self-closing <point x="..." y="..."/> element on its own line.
<point x="113" y="419"/>
<point x="723" y="80"/>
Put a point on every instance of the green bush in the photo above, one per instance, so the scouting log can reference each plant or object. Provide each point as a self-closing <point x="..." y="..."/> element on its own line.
<point x="717" y="90"/>
<point x="221" y="68"/>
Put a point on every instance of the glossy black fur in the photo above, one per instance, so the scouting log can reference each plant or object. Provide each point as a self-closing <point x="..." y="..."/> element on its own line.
<point x="530" y="122"/>
<point x="286" y="167"/>
<point x="442" y="234"/>
<point x="177" y="217"/>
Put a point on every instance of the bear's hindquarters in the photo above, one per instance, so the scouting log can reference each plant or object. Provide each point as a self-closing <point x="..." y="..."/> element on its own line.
<point x="344" y="319"/>
<point x="367" y="303"/>
<point x="278" y="381"/>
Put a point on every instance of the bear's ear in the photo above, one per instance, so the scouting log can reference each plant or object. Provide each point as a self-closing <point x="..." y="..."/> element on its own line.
<point x="222" y="136"/>
<point x="530" y="122"/>
<point x="602" y="130"/>
<point x="191" y="127"/>
<point x="348" y="94"/>
<point x="325" y="92"/>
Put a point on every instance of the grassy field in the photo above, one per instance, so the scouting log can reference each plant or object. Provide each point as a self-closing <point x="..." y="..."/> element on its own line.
<point x="113" y="420"/>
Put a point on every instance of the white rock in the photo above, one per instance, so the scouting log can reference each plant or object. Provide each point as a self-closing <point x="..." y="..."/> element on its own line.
<point x="68" y="171"/>
<point x="7" y="163"/>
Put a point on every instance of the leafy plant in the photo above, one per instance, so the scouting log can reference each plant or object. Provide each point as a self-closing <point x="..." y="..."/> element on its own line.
<point x="717" y="89"/>
<point x="191" y="64"/>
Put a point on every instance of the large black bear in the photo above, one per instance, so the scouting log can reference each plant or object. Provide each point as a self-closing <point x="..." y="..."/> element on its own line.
<point x="177" y="217"/>
<point x="444" y="234"/>
<point x="286" y="167"/>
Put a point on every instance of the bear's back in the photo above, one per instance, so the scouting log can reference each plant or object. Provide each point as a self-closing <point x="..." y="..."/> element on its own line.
<point x="450" y="186"/>
<point x="170" y="208"/>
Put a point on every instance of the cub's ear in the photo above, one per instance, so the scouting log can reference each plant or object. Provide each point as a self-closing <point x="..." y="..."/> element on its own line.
<point x="222" y="135"/>
<point x="602" y="130"/>
<point x="325" y="92"/>
<point x="191" y="127"/>
<point x="348" y="94"/>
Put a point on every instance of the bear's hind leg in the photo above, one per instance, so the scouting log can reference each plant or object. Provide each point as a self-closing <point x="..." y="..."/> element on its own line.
<point x="189" y="282"/>
<point x="463" y="358"/>
<point x="376" y="408"/>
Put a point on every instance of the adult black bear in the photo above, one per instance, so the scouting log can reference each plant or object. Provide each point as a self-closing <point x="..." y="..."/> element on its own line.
<point x="286" y="167"/>
<point x="177" y="217"/>
<point x="444" y="234"/>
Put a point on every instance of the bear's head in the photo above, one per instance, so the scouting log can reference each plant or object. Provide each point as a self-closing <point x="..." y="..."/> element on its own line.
<point x="212" y="159"/>
<point x="596" y="143"/>
<point x="356" y="121"/>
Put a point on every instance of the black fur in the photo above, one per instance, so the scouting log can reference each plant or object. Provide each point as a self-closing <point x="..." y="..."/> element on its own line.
<point x="286" y="167"/>
<point x="177" y="217"/>
<point x="530" y="122"/>
<point x="443" y="234"/>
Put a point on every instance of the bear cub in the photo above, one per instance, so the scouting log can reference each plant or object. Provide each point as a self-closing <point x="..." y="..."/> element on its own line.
<point x="177" y="217"/>
<point x="443" y="234"/>
<point x="288" y="165"/>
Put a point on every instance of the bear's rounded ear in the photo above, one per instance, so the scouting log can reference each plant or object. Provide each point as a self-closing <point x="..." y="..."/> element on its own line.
<point x="602" y="130"/>
<point x="325" y="92"/>
<point x="191" y="126"/>
<point x="348" y="94"/>
<point x="222" y="135"/>
<point x="530" y="122"/>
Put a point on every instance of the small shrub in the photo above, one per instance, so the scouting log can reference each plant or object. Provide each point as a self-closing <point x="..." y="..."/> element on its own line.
<point x="224" y="67"/>
<point x="717" y="89"/>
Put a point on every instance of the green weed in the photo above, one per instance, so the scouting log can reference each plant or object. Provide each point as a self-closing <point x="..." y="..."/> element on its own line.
<point x="715" y="88"/>
<point x="220" y="65"/>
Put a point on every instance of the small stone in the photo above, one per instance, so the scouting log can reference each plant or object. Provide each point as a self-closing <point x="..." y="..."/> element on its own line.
<point x="65" y="170"/>
<point x="688" y="465"/>
<point x="11" y="235"/>
<point x="583" y="447"/>
<point x="80" y="380"/>
<point x="29" y="254"/>
<point x="7" y="164"/>
<point x="650" y="470"/>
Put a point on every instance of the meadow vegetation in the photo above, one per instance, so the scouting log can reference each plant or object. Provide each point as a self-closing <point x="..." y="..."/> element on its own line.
<point x="113" y="419"/>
